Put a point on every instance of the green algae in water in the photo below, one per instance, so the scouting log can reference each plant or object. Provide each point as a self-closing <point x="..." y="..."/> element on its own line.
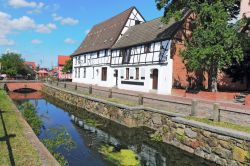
<point x="124" y="157"/>
<point x="92" y="122"/>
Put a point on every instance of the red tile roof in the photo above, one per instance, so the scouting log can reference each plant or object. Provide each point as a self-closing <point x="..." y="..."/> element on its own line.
<point x="63" y="59"/>
<point x="31" y="64"/>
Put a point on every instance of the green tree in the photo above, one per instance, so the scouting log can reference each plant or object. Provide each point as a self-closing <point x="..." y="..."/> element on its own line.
<point x="11" y="63"/>
<point x="68" y="66"/>
<point x="214" y="44"/>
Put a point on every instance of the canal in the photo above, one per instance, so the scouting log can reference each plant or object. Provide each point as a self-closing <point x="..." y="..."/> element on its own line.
<point x="98" y="141"/>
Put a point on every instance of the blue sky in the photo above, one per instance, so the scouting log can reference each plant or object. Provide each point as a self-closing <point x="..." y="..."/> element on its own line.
<point x="42" y="30"/>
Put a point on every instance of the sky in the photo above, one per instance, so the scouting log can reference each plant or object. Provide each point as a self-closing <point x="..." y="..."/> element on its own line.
<point x="41" y="30"/>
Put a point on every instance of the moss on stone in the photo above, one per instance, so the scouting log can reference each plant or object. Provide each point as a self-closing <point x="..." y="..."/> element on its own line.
<point x="180" y="131"/>
<point x="239" y="154"/>
<point x="124" y="157"/>
<point x="92" y="122"/>
<point x="156" y="137"/>
<point x="181" y="138"/>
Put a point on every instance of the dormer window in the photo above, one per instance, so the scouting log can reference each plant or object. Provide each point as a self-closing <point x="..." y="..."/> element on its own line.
<point x="147" y="48"/>
<point x="137" y="22"/>
<point x="98" y="53"/>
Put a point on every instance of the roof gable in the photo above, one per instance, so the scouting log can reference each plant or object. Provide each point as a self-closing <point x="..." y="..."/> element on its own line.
<point x="150" y="31"/>
<point x="62" y="60"/>
<point x="104" y="35"/>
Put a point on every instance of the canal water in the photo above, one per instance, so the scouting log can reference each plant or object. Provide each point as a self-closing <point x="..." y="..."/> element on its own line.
<point x="92" y="133"/>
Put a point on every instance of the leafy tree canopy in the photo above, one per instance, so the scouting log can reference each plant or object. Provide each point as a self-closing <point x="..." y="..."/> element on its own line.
<point x="11" y="63"/>
<point x="68" y="66"/>
<point x="214" y="44"/>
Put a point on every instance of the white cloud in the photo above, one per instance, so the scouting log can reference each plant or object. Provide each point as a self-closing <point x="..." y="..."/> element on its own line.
<point x="65" y="21"/>
<point x="69" y="41"/>
<point x="24" y="3"/>
<point x="45" y="28"/>
<point x="36" y="41"/>
<point x="23" y="23"/>
<point x="69" y="21"/>
<point x="8" y="25"/>
<point x="6" y="42"/>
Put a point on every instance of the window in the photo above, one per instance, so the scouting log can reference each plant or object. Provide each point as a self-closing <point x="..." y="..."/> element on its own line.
<point x="147" y="48"/>
<point x="75" y="60"/>
<point x="75" y="72"/>
<point x="84" y="72"/>
<point x="78" y="72"/>
<point x="84" y="58"/>
<point x="126" y="56"/>
<point x="127" y="73"/>
<point x="137" y="22"/>
<point x="137" y="73"/>
<point x="98" y="54"/>
<point x="104" y="73"/>
<point x="106" y="53"/>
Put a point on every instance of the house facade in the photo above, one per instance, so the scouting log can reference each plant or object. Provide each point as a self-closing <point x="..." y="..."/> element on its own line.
<point x="62" y="60"/>
<point x="128" y="53"/>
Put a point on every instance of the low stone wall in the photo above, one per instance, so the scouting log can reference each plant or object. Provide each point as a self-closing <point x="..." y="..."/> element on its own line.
<point x="223" y="146"/>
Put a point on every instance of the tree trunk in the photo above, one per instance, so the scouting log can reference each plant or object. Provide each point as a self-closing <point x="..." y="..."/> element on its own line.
<point x="212" y="79"/>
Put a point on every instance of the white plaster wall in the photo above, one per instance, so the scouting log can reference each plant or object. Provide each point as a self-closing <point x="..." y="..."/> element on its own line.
<point x="164" y="78"/>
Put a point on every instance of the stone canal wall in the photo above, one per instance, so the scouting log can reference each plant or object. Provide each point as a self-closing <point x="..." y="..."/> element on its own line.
<point x="221" y="145"/>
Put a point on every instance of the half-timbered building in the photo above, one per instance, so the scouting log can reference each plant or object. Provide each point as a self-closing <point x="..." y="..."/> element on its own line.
<point x="128" y="53"/>
<point x="91" y="61"/>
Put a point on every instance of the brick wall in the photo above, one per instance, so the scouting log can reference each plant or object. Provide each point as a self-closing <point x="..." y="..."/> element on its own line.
<point x="183" y="78"/>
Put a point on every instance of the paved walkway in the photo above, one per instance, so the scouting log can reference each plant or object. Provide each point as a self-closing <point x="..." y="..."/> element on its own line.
<point x="224" y="104"/>
<point x="229" y="112"/>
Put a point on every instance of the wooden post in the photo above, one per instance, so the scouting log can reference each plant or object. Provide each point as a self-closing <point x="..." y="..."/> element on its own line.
<point x="110" y="93"/>
<point x="140" y="99"/>
<point x="65" y="85"/>
<point x="76" y="87"/>
<point x="194" y="108"/>
<point x="90" y="89"/>
<point x="216" y="112"/>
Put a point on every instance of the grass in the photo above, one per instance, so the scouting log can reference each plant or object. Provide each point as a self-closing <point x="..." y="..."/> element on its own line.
<point x="222" y="124"/>
<point x="114" y="100"/>
<point x="19" y="151"/>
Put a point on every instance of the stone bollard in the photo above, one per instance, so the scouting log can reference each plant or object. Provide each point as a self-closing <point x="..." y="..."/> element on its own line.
<point x="194" y="108"/>
<point x="140" y="99"/>
<point x="65" y="85"/>
<point x="90" y="89"/>
<point x="110" y="93"/>
<point x="216" y="112"/>
<point x="76" y="87"/>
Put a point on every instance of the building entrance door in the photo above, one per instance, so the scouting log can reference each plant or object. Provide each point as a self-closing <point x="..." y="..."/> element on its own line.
<point x="155" y="79"/>
<point x="116" y="77"/>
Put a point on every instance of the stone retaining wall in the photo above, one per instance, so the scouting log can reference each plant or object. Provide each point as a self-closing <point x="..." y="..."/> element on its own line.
<point x="223" y="146"/>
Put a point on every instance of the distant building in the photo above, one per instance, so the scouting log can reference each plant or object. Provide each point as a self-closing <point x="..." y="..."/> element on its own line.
<point x="62" y="60"/>
<point x="32" y="65"/>
<point x="42" y="73"/>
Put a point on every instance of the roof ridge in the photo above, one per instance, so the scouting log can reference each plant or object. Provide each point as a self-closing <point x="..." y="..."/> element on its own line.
<point x="131" y="8"/>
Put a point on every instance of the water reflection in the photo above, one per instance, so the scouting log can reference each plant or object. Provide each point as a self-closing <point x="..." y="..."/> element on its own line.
<point x="149" y="152"/>
<point x="90" y="132"/>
